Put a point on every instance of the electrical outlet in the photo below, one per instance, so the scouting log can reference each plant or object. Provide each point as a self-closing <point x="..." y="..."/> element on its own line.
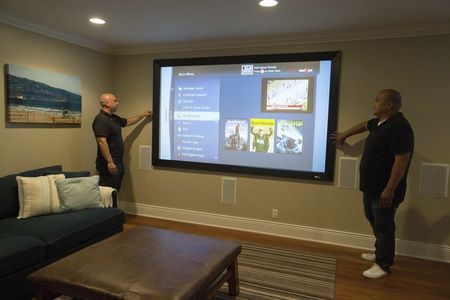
<point x="275" y="213"/>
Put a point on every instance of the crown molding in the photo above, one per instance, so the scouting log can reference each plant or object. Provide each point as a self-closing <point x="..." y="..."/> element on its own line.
<point x="43" y="30"/>
<point x="283" y="41"/>
<point x="228" y="43"/>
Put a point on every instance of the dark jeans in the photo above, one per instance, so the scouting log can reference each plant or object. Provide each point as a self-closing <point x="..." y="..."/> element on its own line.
<point x="114" y="181"/>
<point x="383" y="227"/>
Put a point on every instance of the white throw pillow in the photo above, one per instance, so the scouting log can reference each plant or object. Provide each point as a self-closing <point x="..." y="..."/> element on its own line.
<point x="38" y="195"/>
<point x="79" y="193"/>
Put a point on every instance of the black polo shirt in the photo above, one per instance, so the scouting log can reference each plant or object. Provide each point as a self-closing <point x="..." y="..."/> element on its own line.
<point x="392" y="137"/>
<point x="109" y="126"/>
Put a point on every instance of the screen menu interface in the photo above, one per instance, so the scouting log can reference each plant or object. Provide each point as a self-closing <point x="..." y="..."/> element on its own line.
<point x="267" y="114"/>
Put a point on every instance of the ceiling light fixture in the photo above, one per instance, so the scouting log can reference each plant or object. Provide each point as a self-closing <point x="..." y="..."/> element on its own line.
<point x="268" y="3"/>
<point x="97" y="21"/>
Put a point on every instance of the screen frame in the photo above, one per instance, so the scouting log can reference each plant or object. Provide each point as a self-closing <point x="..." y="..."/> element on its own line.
<point x="326" y="175"/>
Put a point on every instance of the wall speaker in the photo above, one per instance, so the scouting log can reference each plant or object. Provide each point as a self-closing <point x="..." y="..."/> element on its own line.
<point x="229" y="190"/>
<point x="145" y="157"/>
<point x="348" y="172"/>
<point x="434" y="180"/>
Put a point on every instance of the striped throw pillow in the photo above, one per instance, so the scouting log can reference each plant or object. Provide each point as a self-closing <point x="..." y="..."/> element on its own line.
<point x="38" y="195"/>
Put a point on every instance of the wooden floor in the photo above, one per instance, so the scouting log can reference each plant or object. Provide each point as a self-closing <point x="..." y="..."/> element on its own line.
<point x="411" y="278"/>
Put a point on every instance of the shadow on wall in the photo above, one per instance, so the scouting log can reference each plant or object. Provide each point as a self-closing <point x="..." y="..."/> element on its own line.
<point x="440" y="233"/>
<point x="354" y="150"/>
<point x="415" y="228"/>
<point x="414" y="224"/>
<point x="128" y="143"/>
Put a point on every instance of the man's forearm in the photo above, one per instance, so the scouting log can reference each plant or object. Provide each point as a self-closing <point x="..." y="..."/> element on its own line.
<point x="133" y="120"/>
<point x="104" y="149"/>
<point x="359" y="128"/>
<point x="397" y="173"/>
<point x="339" y="137"/>
<point x="398" y="170"/>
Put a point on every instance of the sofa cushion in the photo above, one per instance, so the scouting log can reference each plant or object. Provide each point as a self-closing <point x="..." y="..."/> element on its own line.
<point x="18" y="252"/>
<point x="9" y="198"/>
<point x="62" y="232"/>
<point x="38" y="195"/>
<point x="78" y="193"/>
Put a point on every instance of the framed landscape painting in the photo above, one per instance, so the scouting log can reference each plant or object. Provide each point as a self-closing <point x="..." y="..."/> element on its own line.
<point x="39" y="96"/>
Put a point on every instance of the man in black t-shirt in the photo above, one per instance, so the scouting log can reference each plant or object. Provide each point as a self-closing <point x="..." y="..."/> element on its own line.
<point x="108" y="134"/>
<point x="383" y="171"/>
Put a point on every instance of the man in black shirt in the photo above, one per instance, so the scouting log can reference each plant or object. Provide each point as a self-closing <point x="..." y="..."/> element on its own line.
<point x="108" y="134"/>
<point x="383" y="171"/>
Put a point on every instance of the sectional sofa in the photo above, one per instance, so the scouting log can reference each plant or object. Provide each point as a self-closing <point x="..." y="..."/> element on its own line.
<point x="28" y="244"/>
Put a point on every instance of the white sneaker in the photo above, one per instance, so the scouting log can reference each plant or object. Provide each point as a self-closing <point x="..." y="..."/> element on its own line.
<point x="368" y="256"/>
<point x="374" y="272"/>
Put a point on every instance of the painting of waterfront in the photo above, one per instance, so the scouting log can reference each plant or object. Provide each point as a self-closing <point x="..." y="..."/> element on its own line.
<point x="39" y="96"/>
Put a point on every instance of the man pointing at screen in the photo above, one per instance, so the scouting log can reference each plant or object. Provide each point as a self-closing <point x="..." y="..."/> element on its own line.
<point x="383" y="170"/>
<point x="108" y="133"/>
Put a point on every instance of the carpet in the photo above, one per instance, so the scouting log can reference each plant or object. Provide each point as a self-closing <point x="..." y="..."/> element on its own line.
<point x="275" y="274"/>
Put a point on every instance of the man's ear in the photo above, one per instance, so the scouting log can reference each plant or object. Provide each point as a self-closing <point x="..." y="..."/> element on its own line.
<point x="390" y="104"/>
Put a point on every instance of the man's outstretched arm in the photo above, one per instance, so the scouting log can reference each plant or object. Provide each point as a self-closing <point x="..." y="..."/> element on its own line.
<point x="133" y="120"/>
<point x="340" y="137"/>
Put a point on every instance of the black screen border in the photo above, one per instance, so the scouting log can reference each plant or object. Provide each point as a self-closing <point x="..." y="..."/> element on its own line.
<point x="327" y="175"/>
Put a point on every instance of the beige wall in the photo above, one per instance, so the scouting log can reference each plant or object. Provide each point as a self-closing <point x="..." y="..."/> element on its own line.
<point x="29" y="146"/>
<point x="418" y="67"/>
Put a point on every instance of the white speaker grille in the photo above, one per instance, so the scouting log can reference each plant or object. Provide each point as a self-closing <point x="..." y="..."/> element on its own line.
<point x="348" y="172"/>
<point x="145" y="157"/>
<point x="229" y="190"/>
<point x="434" y="180"/>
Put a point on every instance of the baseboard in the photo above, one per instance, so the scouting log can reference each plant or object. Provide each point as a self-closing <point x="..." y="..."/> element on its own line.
<point x="341" y="238"/>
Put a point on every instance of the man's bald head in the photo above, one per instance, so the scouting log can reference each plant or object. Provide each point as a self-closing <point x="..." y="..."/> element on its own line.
<point x="393" y="97"/>
<point x="108" y="102"/>
<point x="104" y="98"/>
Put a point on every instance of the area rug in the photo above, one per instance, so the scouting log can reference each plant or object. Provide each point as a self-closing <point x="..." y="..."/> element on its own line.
<point x="275" y="274"/>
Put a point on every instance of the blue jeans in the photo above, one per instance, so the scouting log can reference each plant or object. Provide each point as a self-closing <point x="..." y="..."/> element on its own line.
<point x="383" y="226"/>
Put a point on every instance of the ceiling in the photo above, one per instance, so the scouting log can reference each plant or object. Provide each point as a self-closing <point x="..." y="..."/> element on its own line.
<point x="146" y="26"/>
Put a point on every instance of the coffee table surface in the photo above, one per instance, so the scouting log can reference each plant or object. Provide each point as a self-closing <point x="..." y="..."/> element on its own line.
<point x="141" y="263"/>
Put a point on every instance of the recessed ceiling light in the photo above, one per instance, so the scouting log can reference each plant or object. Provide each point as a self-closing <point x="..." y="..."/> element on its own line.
<point x="97" y="21"/>
<point x="268" y="3"/>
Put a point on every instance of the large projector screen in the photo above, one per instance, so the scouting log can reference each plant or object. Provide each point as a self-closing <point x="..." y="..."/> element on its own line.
<point x="260" y="114"/>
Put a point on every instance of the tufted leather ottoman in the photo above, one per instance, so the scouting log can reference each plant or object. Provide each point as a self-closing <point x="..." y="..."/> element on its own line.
<point x="144" y="263"/>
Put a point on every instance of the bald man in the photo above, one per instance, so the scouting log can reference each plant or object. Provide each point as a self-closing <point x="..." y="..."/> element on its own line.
<point x="383" y="170"/>
<point x="108" y="133"/>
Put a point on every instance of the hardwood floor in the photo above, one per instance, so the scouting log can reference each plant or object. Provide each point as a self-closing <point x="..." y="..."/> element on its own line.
<point x="411" y="278"/>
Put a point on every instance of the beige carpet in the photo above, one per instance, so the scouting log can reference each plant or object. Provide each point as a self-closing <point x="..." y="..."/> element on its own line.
<point x="272" y="274"/>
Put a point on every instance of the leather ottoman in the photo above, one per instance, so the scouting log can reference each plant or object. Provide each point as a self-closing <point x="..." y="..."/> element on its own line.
<point x="144" y="263"/>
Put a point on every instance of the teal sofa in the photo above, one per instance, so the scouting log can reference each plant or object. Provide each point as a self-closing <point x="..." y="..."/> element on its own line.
<point x="29" y="244"/>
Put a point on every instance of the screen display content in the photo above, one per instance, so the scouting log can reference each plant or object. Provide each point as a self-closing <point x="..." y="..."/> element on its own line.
<point x="265" y="114"/>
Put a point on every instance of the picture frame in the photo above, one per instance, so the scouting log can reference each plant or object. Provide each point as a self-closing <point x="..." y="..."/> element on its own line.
<point x="41" y="96"/>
